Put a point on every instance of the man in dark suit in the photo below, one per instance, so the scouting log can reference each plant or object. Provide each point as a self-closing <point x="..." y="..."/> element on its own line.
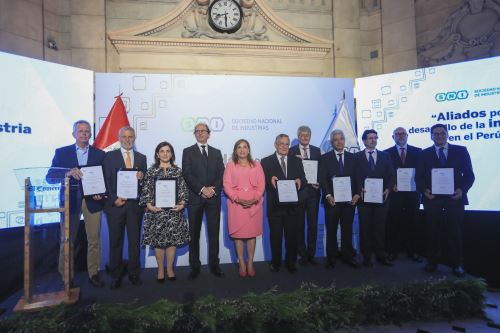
<point x="309" y="198"/>
<point x="72" y="157"/>
<point x="444" y="213"/>
<point x="373" y="163"/>
<point x="403" y="206"/>
<point x="282" y="217"/>
<point x="124" y="213"/>
<point x="338" y="163"/>
<point x="203" y="169"/>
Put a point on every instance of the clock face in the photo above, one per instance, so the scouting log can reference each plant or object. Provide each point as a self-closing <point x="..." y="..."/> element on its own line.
<point x="225" y="16"/>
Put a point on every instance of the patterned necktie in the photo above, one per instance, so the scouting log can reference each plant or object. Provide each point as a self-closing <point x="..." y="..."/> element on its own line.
<point x="283" y="165"/>
<point x="403" y="156"/>
<point x="371" y="161"/>
<point x="305" y="153"/>
<point x="341" y="163"/>
<point x="204" y="151"/>
<point x="442" y="157"/>
<point x="128" y="160"/>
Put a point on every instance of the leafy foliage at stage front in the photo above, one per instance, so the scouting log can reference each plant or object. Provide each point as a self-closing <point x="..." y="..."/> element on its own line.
<point x="308" y="309"/>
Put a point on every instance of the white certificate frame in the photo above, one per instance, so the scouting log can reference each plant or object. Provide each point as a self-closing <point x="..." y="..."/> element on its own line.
<point x="442" y="181"/>
<point x="405" y="180"/>
<point x="127" y="184"/>
<point x="342" y="191"/>
<point x="287" y="191"/>
<point x="92" y="180"/>
<point x="374" y="190"/>
<point x="165" y="192"/>
<point x="311" y="171"/>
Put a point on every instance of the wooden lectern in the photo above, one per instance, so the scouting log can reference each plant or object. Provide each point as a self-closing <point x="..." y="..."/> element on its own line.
<point x="30" y="301"/>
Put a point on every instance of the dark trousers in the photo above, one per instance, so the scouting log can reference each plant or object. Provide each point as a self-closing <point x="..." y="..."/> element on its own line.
<point x="343" y="214"/>
<point x="287" y="225"/>
<point x="372" y="229"/>
<point x="195" y="217"/>
<point x="128" y="216"/>
<point x="444" y="229"/>
<point x="402" y="222"/>
<point x="309" y="210"/>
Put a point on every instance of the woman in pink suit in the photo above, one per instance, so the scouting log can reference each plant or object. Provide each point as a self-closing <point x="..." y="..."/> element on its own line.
<point x="244" y="185"/>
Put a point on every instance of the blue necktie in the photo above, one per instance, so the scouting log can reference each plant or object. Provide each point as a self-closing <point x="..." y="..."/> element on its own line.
<point x="341" y="164"/>
<point x="371" y="161"/>
<point x="442" y="157"/>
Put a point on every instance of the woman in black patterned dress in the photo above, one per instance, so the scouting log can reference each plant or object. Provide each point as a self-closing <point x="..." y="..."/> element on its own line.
<point x="164" y="229"/>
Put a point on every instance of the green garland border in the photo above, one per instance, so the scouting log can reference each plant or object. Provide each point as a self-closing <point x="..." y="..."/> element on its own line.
<point x="308" y="309"/>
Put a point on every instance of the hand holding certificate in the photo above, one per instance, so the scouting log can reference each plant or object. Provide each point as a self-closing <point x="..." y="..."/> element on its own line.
<point x="127" y="184"/>
<point x="342" y="189"/>
<point x="374" y="189"/>
<point x="92" y="180"/>
<point x="406" y="180"/>
<point x="165" y="193"/>
<point x="442" y="181"/>
<point x="311" y="171"/>
<point x="287" y="192"/>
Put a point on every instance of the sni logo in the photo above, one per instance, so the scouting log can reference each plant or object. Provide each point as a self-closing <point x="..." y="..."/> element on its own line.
<point x="452" y="95"/>
<point x="216" y="124"/>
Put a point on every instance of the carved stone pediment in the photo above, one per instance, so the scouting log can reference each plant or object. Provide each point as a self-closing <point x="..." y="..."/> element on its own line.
<point x="185" y="30"/>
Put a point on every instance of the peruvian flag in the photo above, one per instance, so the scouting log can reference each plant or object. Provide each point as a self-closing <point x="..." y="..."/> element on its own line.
<point x="107" y="138"/>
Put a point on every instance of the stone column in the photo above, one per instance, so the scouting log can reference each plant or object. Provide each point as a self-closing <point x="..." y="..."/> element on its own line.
<point x="346" y="35"/>
<point x="399" y="46"/>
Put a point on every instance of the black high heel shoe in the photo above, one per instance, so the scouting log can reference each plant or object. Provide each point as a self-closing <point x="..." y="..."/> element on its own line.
<point x="160" y="280"/>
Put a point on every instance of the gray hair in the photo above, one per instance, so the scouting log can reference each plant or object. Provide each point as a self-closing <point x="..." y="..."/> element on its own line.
<point x="279" y="136"/>
<point x="303" y="128"/>
<point x="125" y="128"/>
<point x="336" y="132"/>
<point x="81" y="121"/>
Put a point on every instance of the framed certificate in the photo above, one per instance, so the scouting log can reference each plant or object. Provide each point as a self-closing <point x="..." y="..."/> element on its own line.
<point x="127" y="184"/>
<point x="406" y="180"/>
<point x="442" y="181"/>
<point x="287" y="191"/>
<point x="342" y="191"/>
<point x="92" y="180"/>
<point x="374" y="190"/>
<point x="165" y="192"/>
<point x="311" y="171"/>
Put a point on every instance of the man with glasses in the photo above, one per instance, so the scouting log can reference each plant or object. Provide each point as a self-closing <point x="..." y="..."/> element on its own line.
<point x="282" y="217"/>
<point x="403" y="205"/>
<point x="444" y="213"/>
<point x="203" y="169"/>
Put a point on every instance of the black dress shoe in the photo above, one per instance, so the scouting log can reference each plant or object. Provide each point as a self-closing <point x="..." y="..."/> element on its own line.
<point x="351" y="262"/>
<point x="430" y="268"/>
<point x="312" y="261"/>
<point x="303" y="261"/>
<point x="195" y="271"/>
<point x="392" y="256"/>
<point x="116" y="283"/>
<point x="215" y="270"/>
<point x="95" y="281"/>
<point x="135" y="280"/>
<point x="384" y="261"/>
<point x="414" y="257"/>
<point x="274" y="269"/>
<point x="459" y="271"/>
<point x="367" y="262"/>
<point x="291" y="267"/>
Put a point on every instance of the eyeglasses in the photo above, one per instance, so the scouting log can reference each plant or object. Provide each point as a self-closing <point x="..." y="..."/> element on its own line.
<point x="200" y="131"/>
<point x="400" y="134"/>
<point x="284" y="144"/>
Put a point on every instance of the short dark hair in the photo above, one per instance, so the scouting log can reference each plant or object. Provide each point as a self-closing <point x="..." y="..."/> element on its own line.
<point x="157" y="150"/>
<point x="366" y="132"/>
<point x="439" y="126"/>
